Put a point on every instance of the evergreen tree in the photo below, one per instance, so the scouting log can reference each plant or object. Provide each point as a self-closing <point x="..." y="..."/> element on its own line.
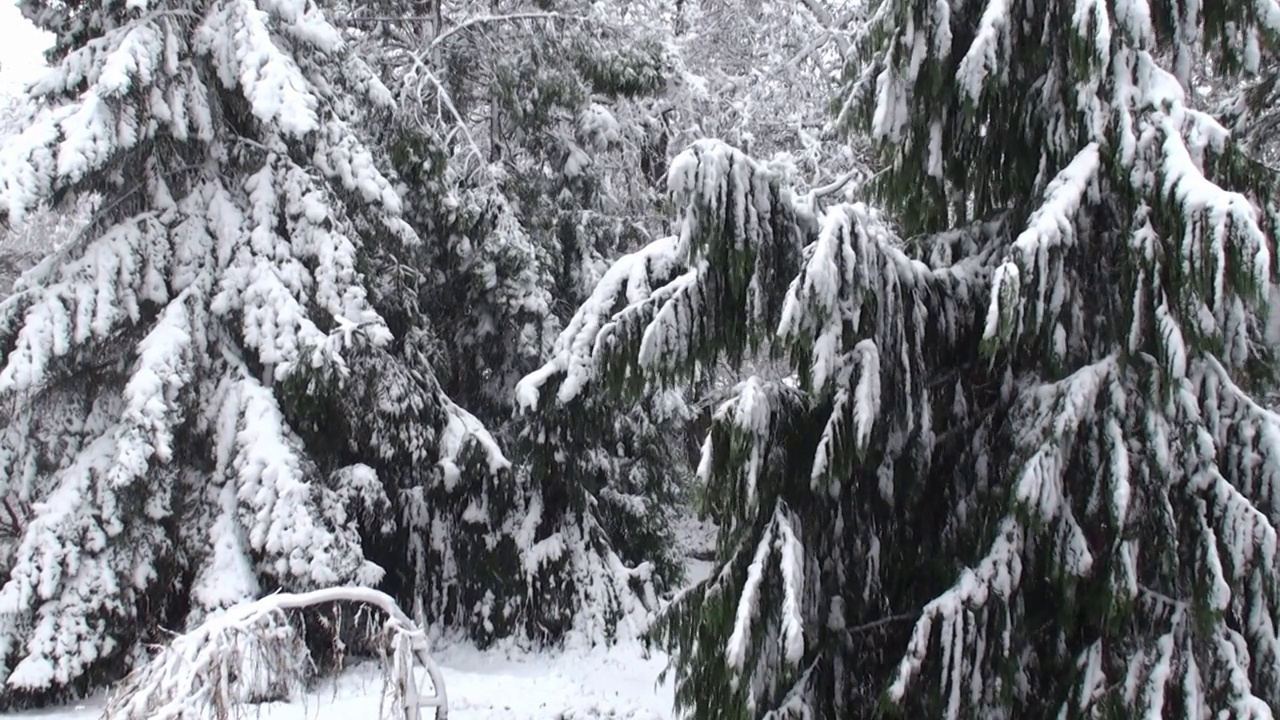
<point x="220" y="387"/>
<point x="1019" y="470"/>
<point x="524" y="206"/>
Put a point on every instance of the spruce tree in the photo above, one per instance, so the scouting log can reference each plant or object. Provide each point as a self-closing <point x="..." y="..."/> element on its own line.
<point x="221" y="387"/>
<point x="1020" y="469"/>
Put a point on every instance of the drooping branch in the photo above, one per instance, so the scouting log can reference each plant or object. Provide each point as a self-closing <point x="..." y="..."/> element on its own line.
<point x="206" y="667"/>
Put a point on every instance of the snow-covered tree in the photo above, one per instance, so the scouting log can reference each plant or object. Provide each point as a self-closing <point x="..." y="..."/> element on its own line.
<point x="523" y="152"/>
<point x="760" y="75"/>
<point x="533" y="197"/>
<point x="1019" y="469"/>
<point x="219" y="389"/>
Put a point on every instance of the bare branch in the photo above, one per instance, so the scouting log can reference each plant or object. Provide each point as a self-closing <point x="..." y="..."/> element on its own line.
<point x="373" y="20"/>
<point x="882" y="622"/>
<point x="835" y="185"/>
<point x="829" y="24"/>
<point x="488" y="19"/>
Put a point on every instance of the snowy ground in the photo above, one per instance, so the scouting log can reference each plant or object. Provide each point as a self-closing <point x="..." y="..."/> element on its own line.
<point x="617" y="683"/>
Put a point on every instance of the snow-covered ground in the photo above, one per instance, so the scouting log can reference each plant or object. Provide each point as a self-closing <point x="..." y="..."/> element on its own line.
<point x="614" y="683"/>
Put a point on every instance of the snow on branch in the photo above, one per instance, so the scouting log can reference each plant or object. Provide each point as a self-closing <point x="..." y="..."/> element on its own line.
<point x="276" y="499"/>
<point x="165" y="368"/>
<point x="984" y="55"/>
<point x="736" y="217"/>
<point x="237" y="36"/>
<point x="961" y="617"/>
<point x="253" y="651"/>
<point x="1053" y="223"/>
<point x="855" y="257"/>
<point x="742" y="439"/>
<point x="1213" y="236"/>
<point x="90" y="298"/>
<point x="68" y="141"/>
<point x="460" y="431"/>
<point x="629" y="281"/>
<point x="1211" y="215"/>
<point x="854" y="410"/>
<point x="480" y="20"/>
<point x="1037" y="252"/>
<point x="780" y="538"/>
<point x="1234" y="418"/>
<point x="56" y="602"/>
<point x="859" y="300"/>
<point x="679" y="302"/>
<point x="57" y="590"/>
<point x="275" y="324"/>
<point x="1052" y="418"/>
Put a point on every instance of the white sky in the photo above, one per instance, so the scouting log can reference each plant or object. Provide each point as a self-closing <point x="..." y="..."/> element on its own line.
<point x="21" y="45"/>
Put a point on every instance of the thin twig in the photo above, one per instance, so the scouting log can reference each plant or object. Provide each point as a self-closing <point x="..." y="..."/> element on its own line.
<point x="18" y="525"/>
<point x="484" y="19"/>
<point x="443" y="94"/>
<point x="835" y="185"/>
<point x="829" y="23"/>
<point x="877" y="624"/>
<point x="1161" y="598"/>
<point x="383" y="18"/>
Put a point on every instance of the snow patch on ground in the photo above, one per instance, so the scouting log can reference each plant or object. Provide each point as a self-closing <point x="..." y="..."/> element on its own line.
<point x="617" y="682"/>
<point x="696" y="539"/>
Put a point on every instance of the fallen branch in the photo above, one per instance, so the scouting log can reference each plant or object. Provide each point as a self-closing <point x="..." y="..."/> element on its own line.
<point x="252" y="652"/>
